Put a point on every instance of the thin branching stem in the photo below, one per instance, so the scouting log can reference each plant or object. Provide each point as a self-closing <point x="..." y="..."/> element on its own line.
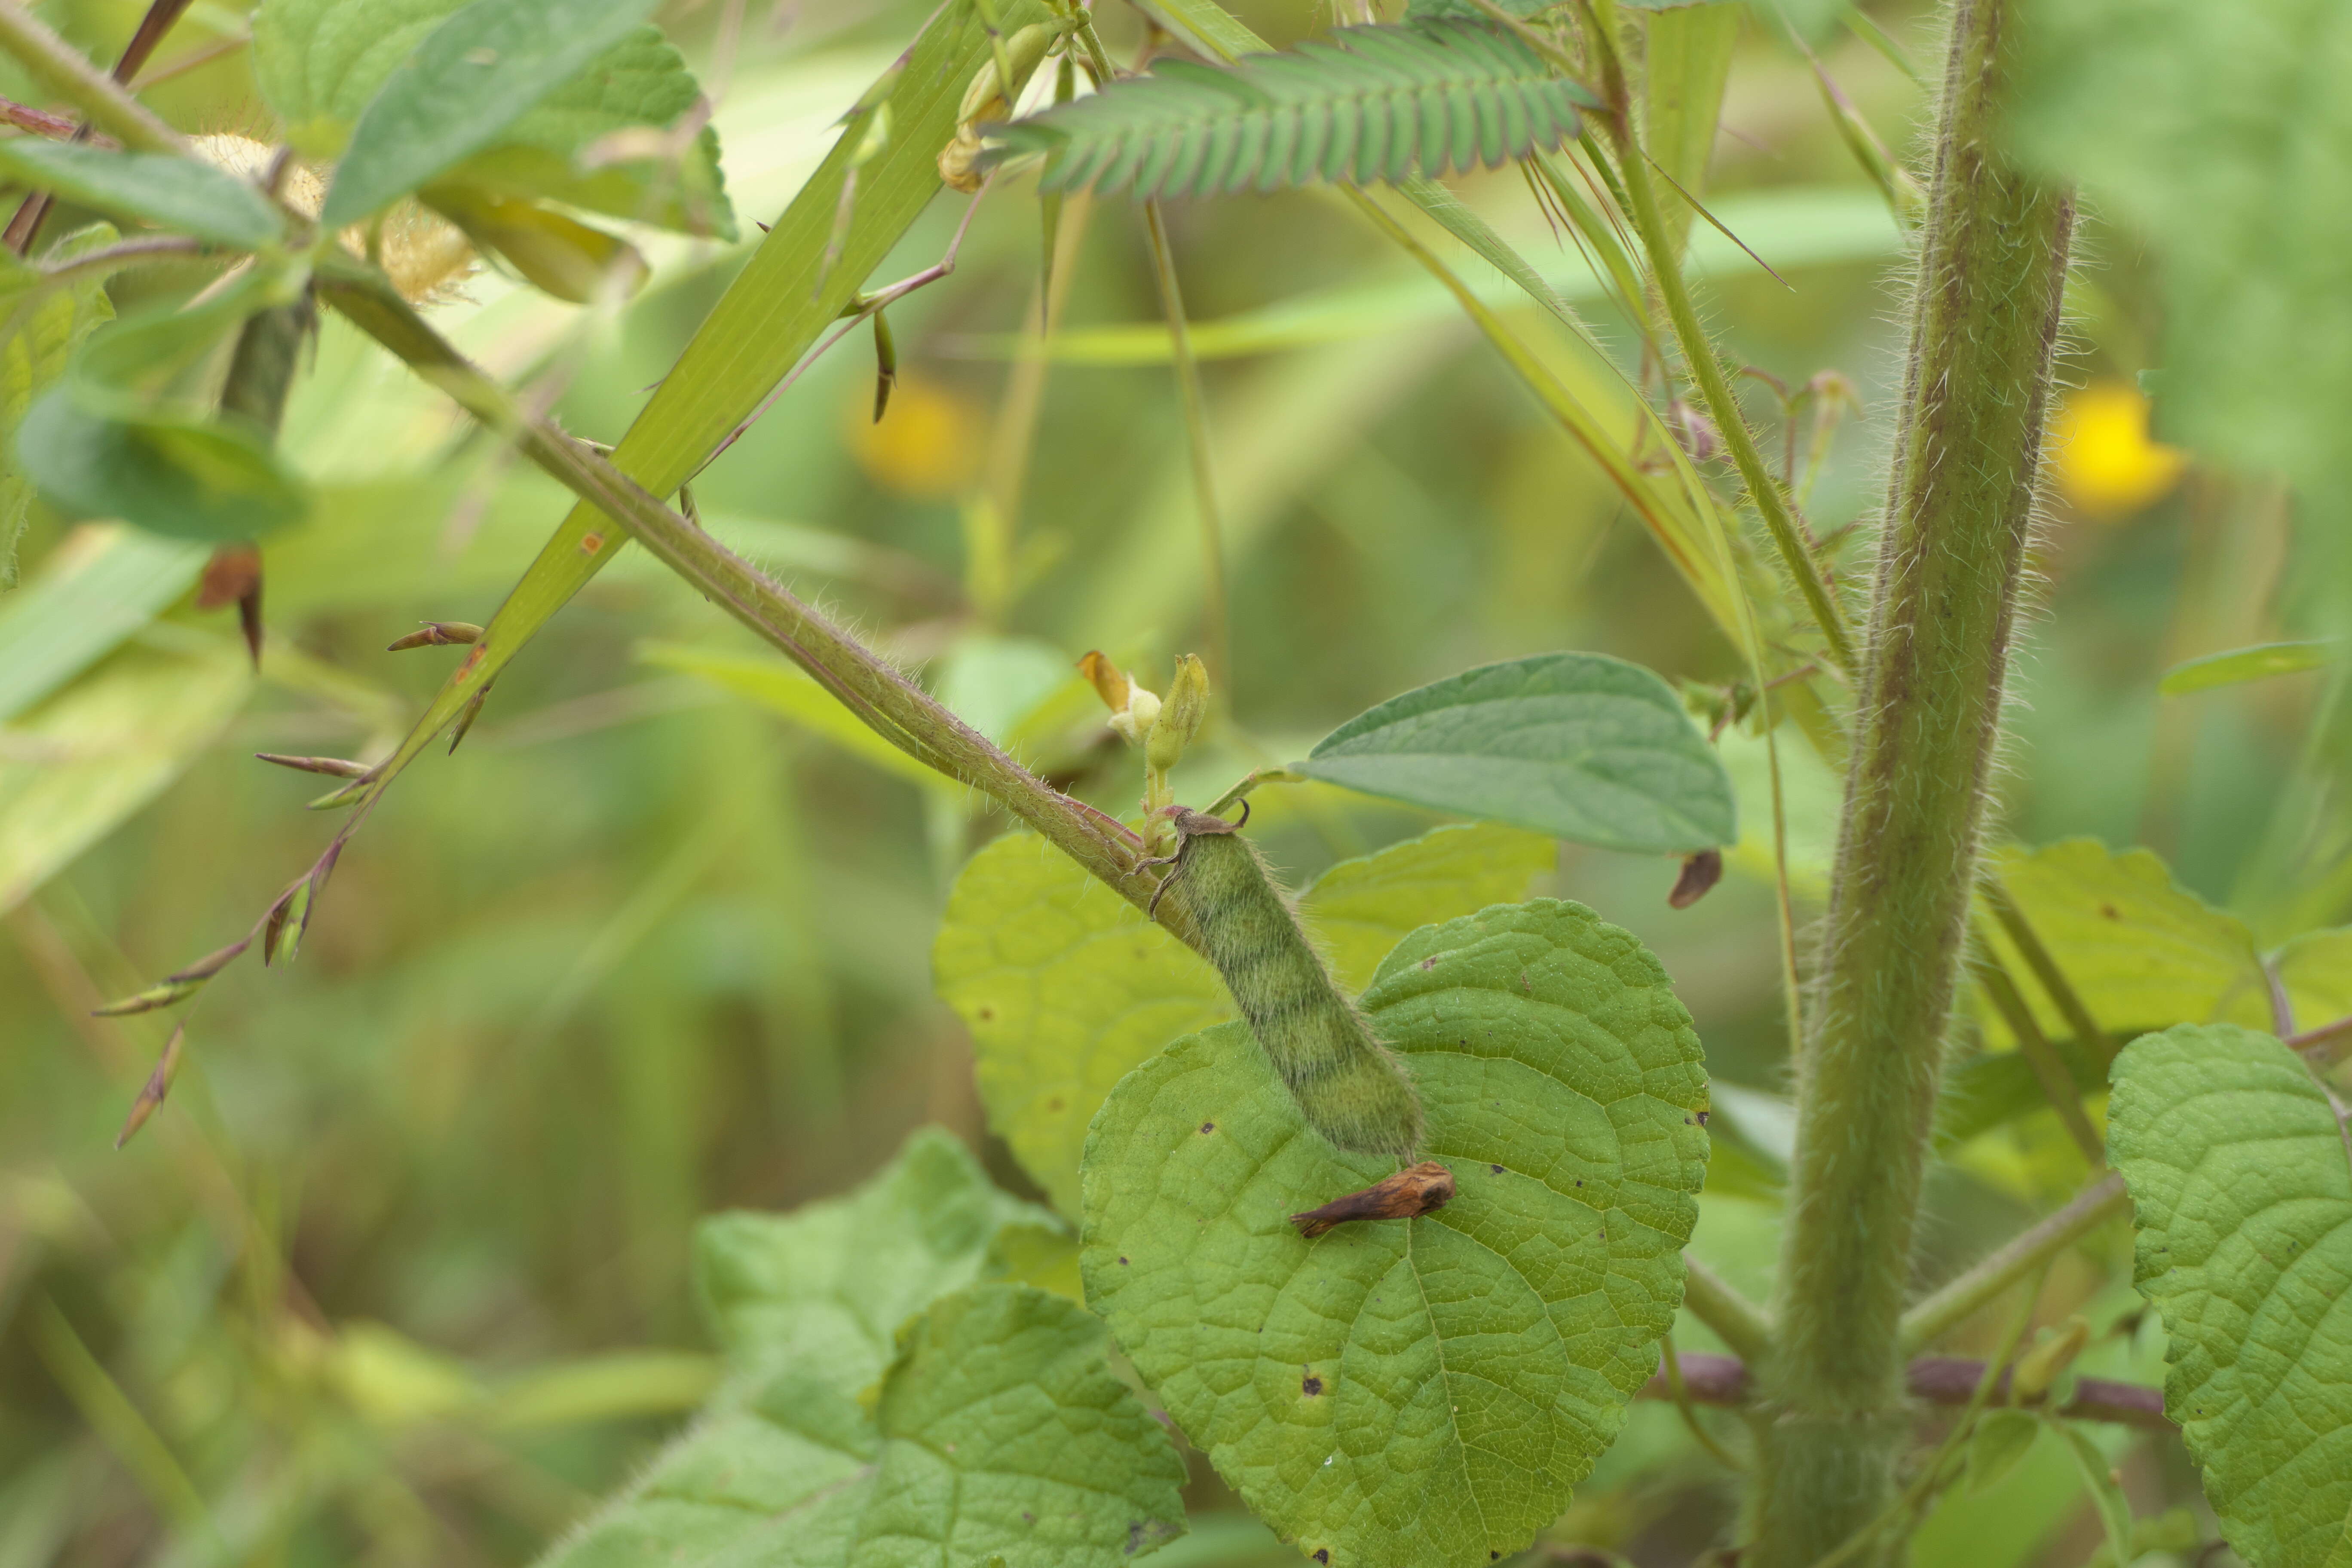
<point x="1937" y="1316"/>
<point x="1214" y="610"/>
<point x="1737" y="1321"/>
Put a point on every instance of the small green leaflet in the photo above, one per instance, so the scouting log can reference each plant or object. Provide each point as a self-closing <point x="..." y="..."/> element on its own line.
<point x="1066" y="988"/>
<point x="1577" y="745"/>
<point x="1362" y="104"/>
<point x="175" y="193"/>
<point x="2241" y="1178"/>
<point x="2237" y="665"/>
<point x="997" y="1427"/>
<point x="2000" y="1440"/>
<point x="1421" y="1391"/>
<point x="2106" y="1493"/>
<point x="42" y="321"/>
<point x="470" y="79"/>
<point x="182" y="477"/>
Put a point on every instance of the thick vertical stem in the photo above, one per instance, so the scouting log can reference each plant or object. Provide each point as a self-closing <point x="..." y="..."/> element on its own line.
<point x="1984" y="326"/>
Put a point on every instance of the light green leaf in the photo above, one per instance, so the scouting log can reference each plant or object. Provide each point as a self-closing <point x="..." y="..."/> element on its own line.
<point x="999" y="1438"/>
<point x="994" y="683"/>
<point x="1576" y="746"/>
<point x="2243" y="664"/>
<point x="177" y="193"/>
<point x="1359" y="910"/>
<point x="2316" y="969"/>
<point x="42" y="321"/>
<point x="470" y="79"/>
<point x="97" y="588"/>
<point x="783" y="688"/>
<point x="2212" y="133"/>
<point x="73" y="768"/>
<point x="183" y="478"/>
<point x="1688" y="62"/>
<point x="824" y="1287"/>
<point x="2106" y="1492"/>
<point x="2241" y="1179"/>
<point x="1066" y="988"/>
<point x="319" y="62"/>
<point x="1426" y="1391"/>
<point x="2000" y="1440"/>
<point x="2141" y="951"/>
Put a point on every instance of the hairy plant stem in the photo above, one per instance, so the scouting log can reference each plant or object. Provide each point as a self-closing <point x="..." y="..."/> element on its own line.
<point x="1984" y="328"/>
<point x="66" y="72"/>
<point x="889" y="703"/>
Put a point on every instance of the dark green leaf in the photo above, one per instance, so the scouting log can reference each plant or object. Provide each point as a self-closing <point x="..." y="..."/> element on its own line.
<point x="1577" y="745"/>
<point x="180" y="477"/>
<point x="175" y="193"/>
<point x="1426" y="1391"/>
<point x="1364" y="104"/>
<point x="471" y="80"/>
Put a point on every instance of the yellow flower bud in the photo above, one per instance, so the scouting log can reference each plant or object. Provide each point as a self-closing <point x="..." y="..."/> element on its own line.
<point x="1180" y="719"/>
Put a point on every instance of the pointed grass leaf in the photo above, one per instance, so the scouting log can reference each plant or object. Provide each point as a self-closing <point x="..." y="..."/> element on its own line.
<point x="826" y="1286"/>
<point x="175" y="193"/>
<point x="1576" y="746"/>
<point x="1066" y="989"/>
<point x="1422" y="1391"/>
<point x="84" y="760"/>
<point x="999" y="1437"/>
<point x="2140" y="951"/>
<point x="1363" y="104"/>
<point x="2239" y="665"/>
<point x="2241" y="1179"/>
<point x="471" y="79"/>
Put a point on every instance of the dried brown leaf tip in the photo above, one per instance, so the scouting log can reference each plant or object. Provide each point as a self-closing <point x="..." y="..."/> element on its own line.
<point x="158" y="1085"/>
<point x="336" y="767"/>
<point x="233" y="577"/>
<point x="1417" y="1191"/>
<point x="1700" y="873"/>
<point x="438" y="634"/>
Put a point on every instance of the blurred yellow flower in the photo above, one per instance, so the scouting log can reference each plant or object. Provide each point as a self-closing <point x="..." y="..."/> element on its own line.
<point x="928" y="445"/>
<point x="2107" y="465"/>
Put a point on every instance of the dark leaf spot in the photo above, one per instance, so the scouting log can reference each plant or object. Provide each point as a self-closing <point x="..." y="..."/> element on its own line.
<point x="1429" y="963"/>
<point x="1496" y="1169"/>
<point x="1311" y="1385"/>
<point x="1323" y="1555"/>
<point x="2109" y="910"/>
<point x="986" y="1013"/>
<point x="1702" y="1118"/>
<point x="1123" y="1261"/>
<point x="1208" y="1127"/>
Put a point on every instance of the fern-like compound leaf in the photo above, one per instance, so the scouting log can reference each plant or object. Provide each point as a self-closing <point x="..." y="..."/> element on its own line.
<point x="1364" y="104"/>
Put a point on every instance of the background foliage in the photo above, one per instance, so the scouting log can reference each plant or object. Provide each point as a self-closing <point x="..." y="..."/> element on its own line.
<point x="402" y="1274"/>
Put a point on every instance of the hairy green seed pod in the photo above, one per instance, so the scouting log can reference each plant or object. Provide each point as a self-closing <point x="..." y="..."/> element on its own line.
<point x="1350" y="1087"/>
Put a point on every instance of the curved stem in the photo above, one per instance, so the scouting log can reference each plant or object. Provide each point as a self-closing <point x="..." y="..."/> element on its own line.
<point x="71" y="76"/>
<point x="1737" y="1321"/>
<point x="1984" y="329"/>
<point x="1938" y="1314"/>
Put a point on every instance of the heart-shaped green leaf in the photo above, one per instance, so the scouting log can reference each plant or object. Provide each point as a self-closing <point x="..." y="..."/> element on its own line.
<point x="1576" y="746"/>
<point x="1066" y="988"/>
<point x="1419" y="1392"/>
<point x="2241" y="1178"/>
<point x="998" y="1438"/>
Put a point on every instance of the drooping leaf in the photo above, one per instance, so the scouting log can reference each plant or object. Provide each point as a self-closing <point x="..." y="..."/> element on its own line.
<point x="177" y="193"/>
<point x="826" y="1286"/>
<point x="1365" y="104"/>
<point x="468" y="82"/>
<point x="2140" y="951"/>
<point x="2205" y="129"/>
<point x="42" y="321"/>
<point x="998" y="1437"/>
<point x="1066" y="988"/>
<point x="182" y="477"/>
<point x="1688" y="61"/>
<point x="2241" y="1178"/>
<point x="1422" y="1391"/>
<point x="558" y="254"/>
<point x="1577" y="745"/>
<point x="2243" y="664"/>
<point x="88" y="757"/>
<point x="319" y="63"/>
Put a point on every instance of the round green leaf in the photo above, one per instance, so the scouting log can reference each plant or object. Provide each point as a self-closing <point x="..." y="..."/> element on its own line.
<point x="1576" y="746"/>
<point x="1421" y="1391"/>
<point x="2241" y="1178"/>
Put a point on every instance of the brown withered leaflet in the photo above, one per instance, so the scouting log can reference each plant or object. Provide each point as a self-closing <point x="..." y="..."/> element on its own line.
<point x="1414" y="1191"/>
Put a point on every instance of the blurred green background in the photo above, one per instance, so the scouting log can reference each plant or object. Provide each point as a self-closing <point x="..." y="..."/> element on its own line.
<point x="398" y="1274"/>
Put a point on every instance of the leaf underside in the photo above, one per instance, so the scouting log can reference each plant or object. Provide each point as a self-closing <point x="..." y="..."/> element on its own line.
<point x="1364" y="104"/>
<point x="1422" y="1391"/>
<point x="2241" y="1179"/>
